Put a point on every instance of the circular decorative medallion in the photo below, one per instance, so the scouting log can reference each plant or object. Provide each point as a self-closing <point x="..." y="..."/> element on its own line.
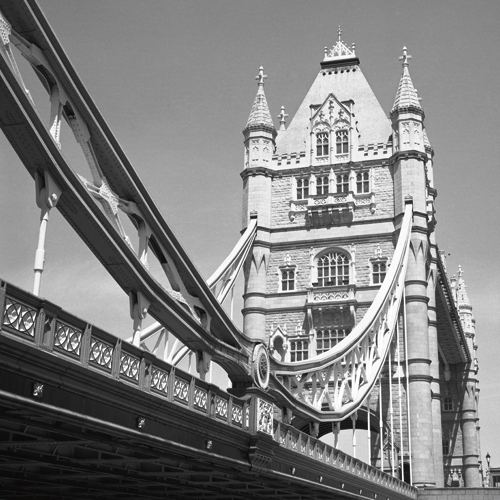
<point x="261" y="366"/>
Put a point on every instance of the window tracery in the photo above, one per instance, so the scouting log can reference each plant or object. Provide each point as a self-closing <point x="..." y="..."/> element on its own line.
<point x="322" y="144"/>
<point x="333" y="269"/>
<point x="342" y="140"/>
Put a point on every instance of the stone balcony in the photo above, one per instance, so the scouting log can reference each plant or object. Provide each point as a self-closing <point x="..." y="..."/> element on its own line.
<point x="333" y="207"/>
<point x="332" y="305"/>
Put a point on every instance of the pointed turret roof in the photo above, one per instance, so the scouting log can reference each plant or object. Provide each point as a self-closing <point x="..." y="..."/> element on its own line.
<point x="462" y="297"/>
<point x="406" y="96"/>
<point x="260" y="115"/>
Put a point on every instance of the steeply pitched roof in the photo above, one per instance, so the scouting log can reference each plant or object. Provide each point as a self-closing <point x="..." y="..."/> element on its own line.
<point x="260" y="115"/>
<point x="406" y="96"/>
<point x="346" y="83"/>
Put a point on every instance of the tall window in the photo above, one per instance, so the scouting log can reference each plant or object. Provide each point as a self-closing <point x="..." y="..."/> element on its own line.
<point x="342" y="183"/>
<point x="342" y="137"/>
<point x="287" y="279"/>
<point x="446" y="447"/>
<point x="448" y="404"/>
<point x="378" y="272"/>
<point x="322" y="144"/>
<point x="326" y="339"/>
<point x="322" y="184"/>
<point x="299" y="350"/>
<point x="302" y="189"/>
<point x="362" y="182"/>
<point x="333" y="269"/>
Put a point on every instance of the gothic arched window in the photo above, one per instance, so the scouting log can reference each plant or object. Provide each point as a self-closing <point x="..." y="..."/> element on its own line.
<point x="333" y="269"/>
<point x="342" y="137"/>
<point x="322" y="144"/>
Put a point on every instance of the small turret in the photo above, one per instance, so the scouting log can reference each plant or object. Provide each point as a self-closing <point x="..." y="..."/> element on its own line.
<point x="407" y="118"/>
<point x="259" y="131"/>
<point x="259" y="141"/>
<point x="260" y="136"/>
<point x="407" y="99"/>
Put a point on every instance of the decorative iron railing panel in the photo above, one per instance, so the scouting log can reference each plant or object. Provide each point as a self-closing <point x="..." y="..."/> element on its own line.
<point x="19" y="317"/>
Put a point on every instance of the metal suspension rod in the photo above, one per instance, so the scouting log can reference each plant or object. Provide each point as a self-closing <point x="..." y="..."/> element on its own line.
<point x="40" y="251"/>
<point x="400" y="403"/>
<point x="380" y="425"/>
<point x="405" y="332"/>
<point x="354" y="417"/>
<point x="232" y="302"/>
<point x="369" y="435"/>
<point x="391" y="413"/>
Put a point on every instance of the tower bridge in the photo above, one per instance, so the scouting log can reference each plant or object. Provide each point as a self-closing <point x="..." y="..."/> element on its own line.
<point x="349" y="321"/>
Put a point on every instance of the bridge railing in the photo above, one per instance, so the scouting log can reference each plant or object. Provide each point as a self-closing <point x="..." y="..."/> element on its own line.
<point x="291" y="438"/>
<point x="48" y="327"/>
<point x="45" y="326"/>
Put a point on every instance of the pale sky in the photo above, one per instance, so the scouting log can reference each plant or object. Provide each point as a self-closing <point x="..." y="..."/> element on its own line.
<point x="175" y="82"/>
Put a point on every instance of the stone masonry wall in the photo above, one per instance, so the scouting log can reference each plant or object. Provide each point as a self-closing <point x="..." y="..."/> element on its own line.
<point x="281" y="195"/>
<point x="299" y="256"/>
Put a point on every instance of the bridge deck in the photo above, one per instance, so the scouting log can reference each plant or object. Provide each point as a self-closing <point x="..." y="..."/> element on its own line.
<point x="84" y="414"/>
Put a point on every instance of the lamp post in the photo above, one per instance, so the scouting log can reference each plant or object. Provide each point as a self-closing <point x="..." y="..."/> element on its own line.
<point x="488" y="458"/>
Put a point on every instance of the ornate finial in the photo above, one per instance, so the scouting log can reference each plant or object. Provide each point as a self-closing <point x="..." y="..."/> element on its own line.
<point x="261" y="77"/>
<point x="405" y="57"/>
<point x="282" y="118"/>
<point x="339" y="50"/>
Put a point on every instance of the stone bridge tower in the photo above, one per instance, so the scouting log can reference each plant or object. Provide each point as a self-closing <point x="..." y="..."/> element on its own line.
<point x="329" y="191"/>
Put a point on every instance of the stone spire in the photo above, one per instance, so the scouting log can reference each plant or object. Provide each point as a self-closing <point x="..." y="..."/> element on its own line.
<point x="462" y="297"/>
<point x="282" y="117"/>
<point x="260" y="117"/>
<point x="406" y="96"/>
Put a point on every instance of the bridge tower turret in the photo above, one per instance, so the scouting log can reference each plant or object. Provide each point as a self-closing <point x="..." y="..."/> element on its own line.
<point x="259" y="140"/>
<point x="469" y="418"/>
<point x="410" y="179"/>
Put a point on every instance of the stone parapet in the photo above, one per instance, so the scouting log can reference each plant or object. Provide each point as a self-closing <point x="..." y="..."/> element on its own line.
<point x="459" y="494"/>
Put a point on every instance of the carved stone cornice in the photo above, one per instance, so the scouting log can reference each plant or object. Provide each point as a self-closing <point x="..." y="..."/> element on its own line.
<point x="253" y="171"/>
<point x="411" y="154"/>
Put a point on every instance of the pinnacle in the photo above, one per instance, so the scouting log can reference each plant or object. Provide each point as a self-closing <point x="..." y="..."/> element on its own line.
<point x="260" y="115"/>
<point x="406" y="95"/>
<point x="462" y="296"/>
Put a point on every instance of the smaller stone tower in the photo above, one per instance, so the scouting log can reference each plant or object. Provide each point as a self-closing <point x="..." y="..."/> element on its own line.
<point x="259" y="142"/>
